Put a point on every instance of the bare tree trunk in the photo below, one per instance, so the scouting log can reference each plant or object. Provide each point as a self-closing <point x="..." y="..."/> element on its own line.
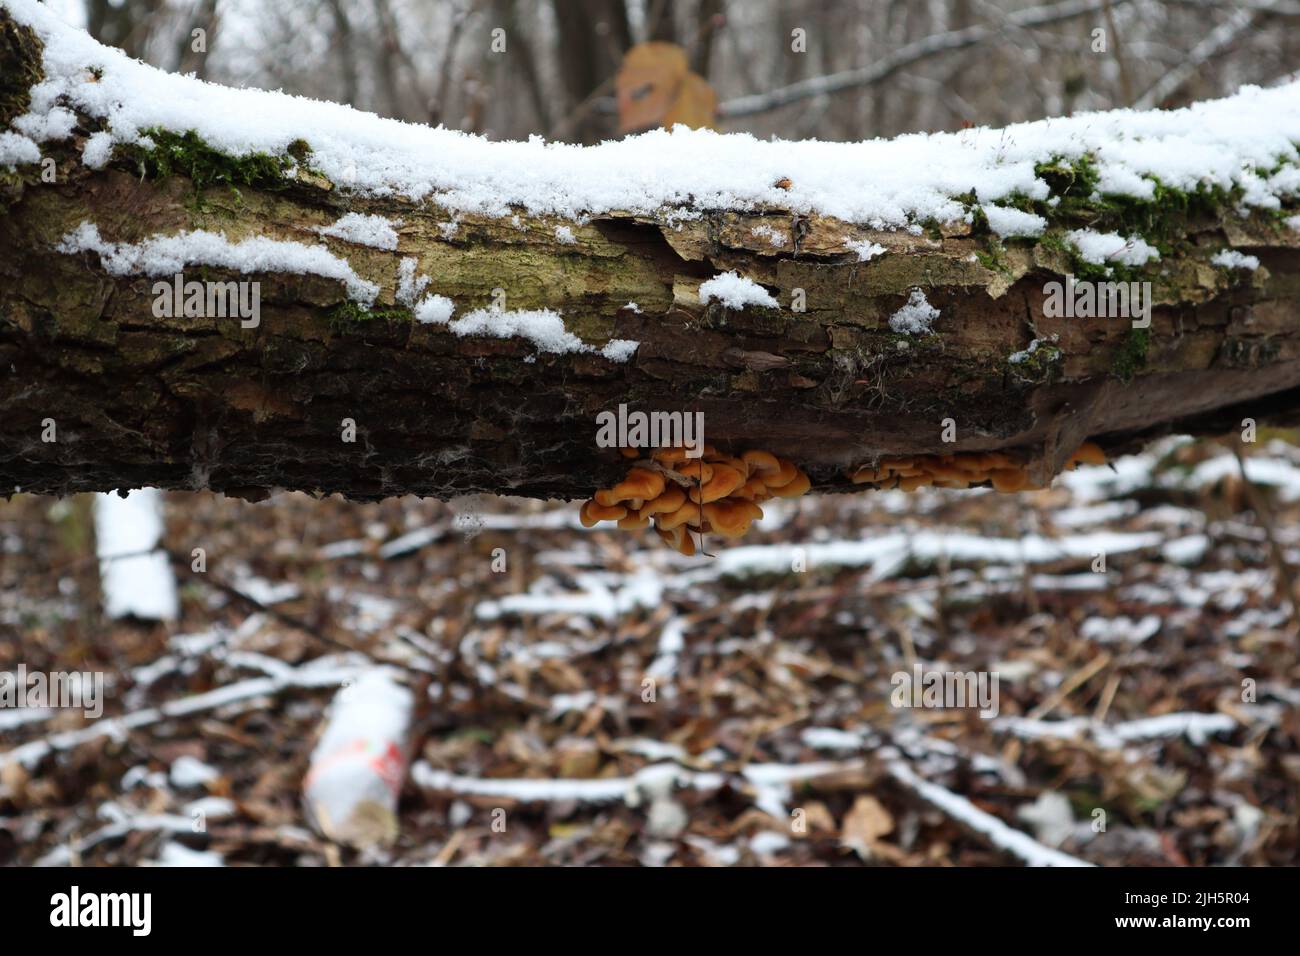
<point x="124" y="25"/>
<point x="594" y="35"/>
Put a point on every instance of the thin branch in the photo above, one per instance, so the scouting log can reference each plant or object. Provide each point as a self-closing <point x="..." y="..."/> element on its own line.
<point x="1004" y="837"/>
<point x="1258" y="501"/>
<point x="1125" y="76"/>
<point x="907" y="55"/>
<point x="310" y="676"/>
<point x="1218" y="38"/>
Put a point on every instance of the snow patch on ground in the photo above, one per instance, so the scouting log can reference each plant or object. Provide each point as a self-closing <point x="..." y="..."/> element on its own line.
<point x="187" y="771"/>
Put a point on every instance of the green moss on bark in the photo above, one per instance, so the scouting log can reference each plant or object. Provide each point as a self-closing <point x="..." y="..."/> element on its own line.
<point x="186" y="154"/>
<point x="20" y="68"/>
<point x="1132" y="355"/>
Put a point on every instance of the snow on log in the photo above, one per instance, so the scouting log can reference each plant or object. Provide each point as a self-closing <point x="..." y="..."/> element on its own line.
<point x="203" y="287"/>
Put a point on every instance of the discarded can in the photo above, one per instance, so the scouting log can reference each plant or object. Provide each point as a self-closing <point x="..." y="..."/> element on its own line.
<point x="358" y="766"/>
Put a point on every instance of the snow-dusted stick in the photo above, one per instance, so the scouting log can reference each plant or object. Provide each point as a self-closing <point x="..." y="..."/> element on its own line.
<point x="70" y="854"/>
<point x="360" y="762"/>
<point x="1195" y="726"/>
<point x="768" y="785"/>
<point x="1005" y="838"/>
<point x="783" y="270"/>
<point x="307" y="676"/>
<point x="135" y="580"/>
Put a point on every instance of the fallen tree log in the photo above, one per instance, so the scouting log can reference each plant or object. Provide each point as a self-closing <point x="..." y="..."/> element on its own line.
<point x="472" y="324"/>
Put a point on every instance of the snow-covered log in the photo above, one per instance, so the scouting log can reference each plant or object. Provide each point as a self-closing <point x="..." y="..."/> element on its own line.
<point x="241" y="290"/>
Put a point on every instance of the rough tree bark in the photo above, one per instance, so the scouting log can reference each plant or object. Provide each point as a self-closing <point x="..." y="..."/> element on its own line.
<point x="203" y="403"/>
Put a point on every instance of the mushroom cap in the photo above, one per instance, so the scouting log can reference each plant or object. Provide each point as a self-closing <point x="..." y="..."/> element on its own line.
<point x="725" y="480"/>
<point x="996" y="460"/>
<point x="593" y="512"/>
<point x="1089" y="453"/>
<point x="797" y="486"/>
<point x="639" y="483"/>
<point x="942" y="472"/>
<point x="669" y="456"/>
<point x="688" y="513"/>
<point x="752" y="490"/>
<point x="672" y="498"/>
<point x="784" y="475"/>
<point x="739" y="464"/>
<point x="1009" y="479"/>
<point x="682" y="494"/>
<point x="679" y="539"/>
<point x="912" y="482"/>
<point x="761" y="462"/>
<point x="696" y="468"/>
<point x="732" y="517"/>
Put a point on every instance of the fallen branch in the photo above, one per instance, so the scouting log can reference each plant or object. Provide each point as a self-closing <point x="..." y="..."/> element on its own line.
<point x="1196" y="727"/>
<point x="1005" y="838"/>
<point x="316" y="674"/>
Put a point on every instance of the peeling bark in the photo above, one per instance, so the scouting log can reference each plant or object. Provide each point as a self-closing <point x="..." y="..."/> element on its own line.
<point x="203" y="403"/>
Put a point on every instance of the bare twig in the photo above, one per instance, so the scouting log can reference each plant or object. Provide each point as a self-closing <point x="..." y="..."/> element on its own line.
<point x="1218" y="39"/>
<point x="907" y="55"/>
<point x="1258" y="501"/>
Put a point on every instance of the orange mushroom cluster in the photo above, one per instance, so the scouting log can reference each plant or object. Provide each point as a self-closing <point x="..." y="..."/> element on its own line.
<point x="683" y="497"/>
<point x="966" y="470"/>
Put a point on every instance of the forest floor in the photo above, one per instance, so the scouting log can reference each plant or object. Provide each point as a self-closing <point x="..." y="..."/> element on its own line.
<point x="1146" y="714"/>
